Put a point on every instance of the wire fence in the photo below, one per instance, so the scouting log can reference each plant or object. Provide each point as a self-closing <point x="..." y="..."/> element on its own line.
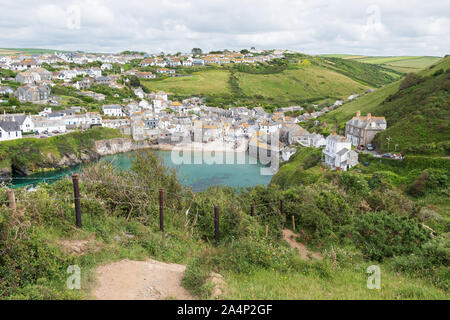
<point x="161" y="196"/>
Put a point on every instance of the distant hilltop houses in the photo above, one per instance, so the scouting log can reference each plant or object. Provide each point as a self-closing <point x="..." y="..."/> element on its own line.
<point x="102" y="85"/>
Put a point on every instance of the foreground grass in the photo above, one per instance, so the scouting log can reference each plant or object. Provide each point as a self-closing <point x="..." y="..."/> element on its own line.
<point x="345" y="284"/>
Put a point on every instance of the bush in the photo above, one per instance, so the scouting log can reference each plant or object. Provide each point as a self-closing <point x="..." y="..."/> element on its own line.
<point x="428" y="181"/>
<point x="355" y="183"/>
<point x="431" y="262"/>
<point x="382" y="234"/>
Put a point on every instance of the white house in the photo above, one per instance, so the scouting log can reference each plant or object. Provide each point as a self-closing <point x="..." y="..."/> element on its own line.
<point x="338" y="153"/>
<point x="10" y="130"/>
<point x="114" y="110"/>
<point x="269" y="127"/>
<point x="24" y="121"/>
<point x="44" y="125"/>
<point x="106" y="66"/>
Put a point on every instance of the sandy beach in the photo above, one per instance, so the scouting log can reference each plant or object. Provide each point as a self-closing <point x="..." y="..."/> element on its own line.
<point x="217" y="146"/>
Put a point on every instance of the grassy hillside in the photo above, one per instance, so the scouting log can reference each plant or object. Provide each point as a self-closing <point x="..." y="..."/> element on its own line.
<point x="367" y="103"/>
<point x="403" y="64"/>
<point x="200" y="83"/>
<point x="372" y="75"/>
<point x="294" y="80"/>
<point x="418" y="105"/>
<point x="421" y="108"/>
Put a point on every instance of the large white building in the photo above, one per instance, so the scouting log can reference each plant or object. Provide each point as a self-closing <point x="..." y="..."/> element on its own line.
<point x="338" y="153"/>
<point x="114" y="110"/>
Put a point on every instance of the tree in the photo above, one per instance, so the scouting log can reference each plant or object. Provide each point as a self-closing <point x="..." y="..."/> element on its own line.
<point x="134" y="81"/>
<point x="245" y="51"/>
<point x="13" y="101"/>
<point x="196" y="51"/>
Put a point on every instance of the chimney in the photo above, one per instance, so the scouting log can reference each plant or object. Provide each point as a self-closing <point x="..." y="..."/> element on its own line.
<point x="358" y="114"/>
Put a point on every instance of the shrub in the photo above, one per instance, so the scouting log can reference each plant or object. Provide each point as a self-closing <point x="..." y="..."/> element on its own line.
<point x="382" y="234"/>
<point x="428" y="181"/>
<point x="355" y="183"/>
<point x="432" y="262"/>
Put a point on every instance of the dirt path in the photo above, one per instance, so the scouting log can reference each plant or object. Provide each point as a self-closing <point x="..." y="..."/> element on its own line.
<point x="140" y="280"/>
<point x="289" y="236"/>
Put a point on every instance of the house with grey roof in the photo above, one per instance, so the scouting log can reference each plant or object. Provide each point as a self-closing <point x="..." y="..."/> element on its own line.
<point x="361" y="130"/>
<point x="6" y="90"/>
<point x="25" y="122"/>
<point x="32" y="93"/>
<point x="9" y="130"/>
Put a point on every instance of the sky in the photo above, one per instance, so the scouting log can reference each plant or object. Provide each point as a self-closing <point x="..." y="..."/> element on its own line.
<point x="383" y="27"/>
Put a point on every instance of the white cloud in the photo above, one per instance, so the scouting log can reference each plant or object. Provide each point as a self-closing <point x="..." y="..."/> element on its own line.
<point x="383" y="27"/>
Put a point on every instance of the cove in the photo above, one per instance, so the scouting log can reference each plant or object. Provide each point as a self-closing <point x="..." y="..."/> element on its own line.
<point x="198" y="176"/>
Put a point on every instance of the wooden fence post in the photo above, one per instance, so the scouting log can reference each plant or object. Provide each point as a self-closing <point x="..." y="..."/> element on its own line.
<point x="267" y="230"/>
<point x="216" y="224"/>
<point x="282" y="207"/>
<point x="293" y="223"/>
<point x="76" y="194"/>
<point x="161" y="210"/>
<point x="12" y="200"/>
<point x="252" y="210"/>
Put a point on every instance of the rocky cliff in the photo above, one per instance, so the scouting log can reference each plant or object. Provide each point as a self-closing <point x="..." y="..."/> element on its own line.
<point x="50" y="161"/>
<point x="119" y="145"/>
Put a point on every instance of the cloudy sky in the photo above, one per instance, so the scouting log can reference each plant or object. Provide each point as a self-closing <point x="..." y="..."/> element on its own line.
<point x="377" y="27"/>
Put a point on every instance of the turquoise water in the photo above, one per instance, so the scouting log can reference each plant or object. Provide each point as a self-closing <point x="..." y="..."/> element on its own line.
<point x="199" y="176"/>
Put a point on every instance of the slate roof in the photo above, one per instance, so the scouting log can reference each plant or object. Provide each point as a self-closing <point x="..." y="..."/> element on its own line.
<point x="342" y="151"/>
<point x="10" y="126"/>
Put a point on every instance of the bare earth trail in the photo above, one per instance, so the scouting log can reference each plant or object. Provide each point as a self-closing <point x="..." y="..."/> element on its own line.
<point x="154" y="280"/>
<point x="140" y="280"/>
<point x="290" y="237"/>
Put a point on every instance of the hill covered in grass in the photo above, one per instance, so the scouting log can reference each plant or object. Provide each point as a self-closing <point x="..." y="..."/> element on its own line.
<point x="297" y="79"/>
<point x="403" y="64"/>
<point x="417" y="111"/>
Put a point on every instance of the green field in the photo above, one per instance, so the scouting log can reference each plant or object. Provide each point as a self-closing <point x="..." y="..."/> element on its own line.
<point x="201" y="83"/>
<point x="312" y="80"/>
<point x="404" y="64"/>
<point x="32" y="51"/>
<point x="305" y="83"/>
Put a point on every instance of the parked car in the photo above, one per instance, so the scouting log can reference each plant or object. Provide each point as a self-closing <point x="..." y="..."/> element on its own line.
<point x="55" y="131"/>
<point x="360" y="147"/>
<point x="370" y="147"/>
<point x="388" y="155"/>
